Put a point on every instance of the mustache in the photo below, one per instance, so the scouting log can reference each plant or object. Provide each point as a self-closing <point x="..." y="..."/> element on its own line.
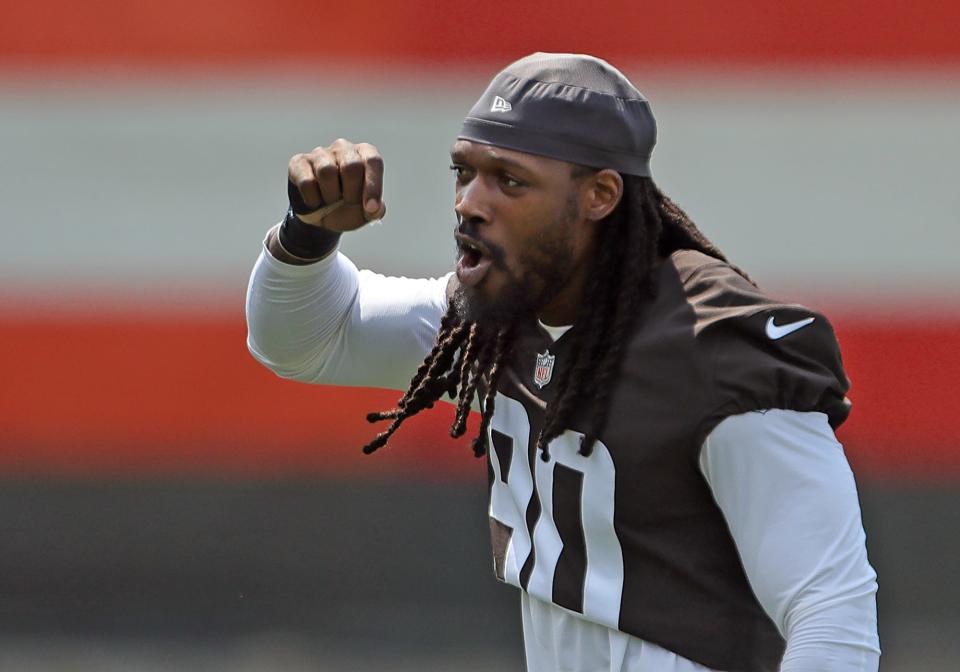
<point x="492" y="250"/>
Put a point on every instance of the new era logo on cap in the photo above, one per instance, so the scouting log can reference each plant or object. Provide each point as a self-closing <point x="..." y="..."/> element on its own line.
<point x="500" y="105"/>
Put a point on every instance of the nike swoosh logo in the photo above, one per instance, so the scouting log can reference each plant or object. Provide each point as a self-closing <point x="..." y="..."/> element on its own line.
<point x="775" y="331"/>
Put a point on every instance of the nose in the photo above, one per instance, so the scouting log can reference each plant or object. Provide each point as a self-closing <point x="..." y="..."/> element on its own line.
<point x="472" y="205"/>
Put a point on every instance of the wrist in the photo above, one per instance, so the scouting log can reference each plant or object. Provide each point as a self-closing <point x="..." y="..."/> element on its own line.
<point x="306" y="243"/>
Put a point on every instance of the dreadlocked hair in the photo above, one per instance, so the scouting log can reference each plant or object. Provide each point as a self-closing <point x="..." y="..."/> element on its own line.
<point x="645" y="226"/>
<point x="465" y="353"/>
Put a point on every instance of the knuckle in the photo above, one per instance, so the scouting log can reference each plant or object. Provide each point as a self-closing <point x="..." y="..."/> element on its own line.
<point x="319" y="157"/>
<point x="296" y="161"/>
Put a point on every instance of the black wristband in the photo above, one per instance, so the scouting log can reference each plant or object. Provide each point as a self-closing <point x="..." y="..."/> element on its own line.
<point x="305" y="240"/>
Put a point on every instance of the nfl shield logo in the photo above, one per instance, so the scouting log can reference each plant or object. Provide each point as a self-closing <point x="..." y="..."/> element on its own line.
<point x="544" y="369"/>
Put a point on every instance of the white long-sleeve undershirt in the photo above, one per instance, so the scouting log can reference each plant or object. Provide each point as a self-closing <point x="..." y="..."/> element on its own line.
<point x="330" y="323"/>
<point x="779" y="477"/>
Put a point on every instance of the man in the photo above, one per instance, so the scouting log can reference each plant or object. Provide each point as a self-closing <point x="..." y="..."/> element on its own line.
<point x="665" y="485"/>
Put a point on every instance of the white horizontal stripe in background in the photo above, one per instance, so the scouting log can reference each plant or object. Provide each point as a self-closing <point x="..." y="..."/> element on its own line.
<point x="146" y="186"/>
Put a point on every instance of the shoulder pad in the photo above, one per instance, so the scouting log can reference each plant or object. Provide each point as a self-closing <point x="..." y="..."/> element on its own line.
<point x="767" y="354"/>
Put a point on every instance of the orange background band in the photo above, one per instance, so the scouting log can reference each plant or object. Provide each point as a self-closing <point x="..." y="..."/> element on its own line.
<point x="178" y="392"/>
<point x="178" y="32"/>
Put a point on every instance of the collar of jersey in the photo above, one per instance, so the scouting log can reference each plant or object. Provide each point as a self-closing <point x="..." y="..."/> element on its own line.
<point x="555" y="332"/>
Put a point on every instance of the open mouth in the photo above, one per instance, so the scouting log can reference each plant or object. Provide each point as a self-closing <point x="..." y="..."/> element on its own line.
<point x="474" y="261"/>
<point x="471" y="254"/>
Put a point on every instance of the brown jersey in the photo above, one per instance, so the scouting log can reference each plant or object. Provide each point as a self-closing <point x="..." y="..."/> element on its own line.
<point x="630" y="536"/>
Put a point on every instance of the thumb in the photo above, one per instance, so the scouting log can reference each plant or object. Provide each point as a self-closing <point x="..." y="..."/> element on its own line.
<point x="316" y="217"/>
<point x="304" y="212"/>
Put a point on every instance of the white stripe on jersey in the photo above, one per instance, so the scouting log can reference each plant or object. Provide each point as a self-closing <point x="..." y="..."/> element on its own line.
<point x="508" y="502"/>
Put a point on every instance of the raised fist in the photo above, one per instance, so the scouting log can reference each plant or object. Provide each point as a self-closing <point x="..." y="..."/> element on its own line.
<point x="339" y="187"/>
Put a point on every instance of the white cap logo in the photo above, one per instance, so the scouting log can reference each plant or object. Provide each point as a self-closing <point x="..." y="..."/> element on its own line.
<point x="500" y="105"/>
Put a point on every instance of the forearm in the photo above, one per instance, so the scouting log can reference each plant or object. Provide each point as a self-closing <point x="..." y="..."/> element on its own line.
<point x="835" y="637"/>
<point x="326" y="322"/>
<point x="296" y="310"/>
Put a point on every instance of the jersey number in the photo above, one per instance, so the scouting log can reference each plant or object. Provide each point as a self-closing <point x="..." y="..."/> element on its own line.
<point x="552" y="525"/>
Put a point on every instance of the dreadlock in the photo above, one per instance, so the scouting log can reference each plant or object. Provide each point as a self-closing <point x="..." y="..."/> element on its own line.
<point x="644" y="226"/>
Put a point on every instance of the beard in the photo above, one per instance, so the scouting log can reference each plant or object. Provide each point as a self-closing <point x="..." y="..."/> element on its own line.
<point x="546" y="266"/>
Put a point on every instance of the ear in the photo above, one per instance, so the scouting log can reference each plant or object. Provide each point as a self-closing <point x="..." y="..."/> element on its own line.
<point x="604" y="189"/>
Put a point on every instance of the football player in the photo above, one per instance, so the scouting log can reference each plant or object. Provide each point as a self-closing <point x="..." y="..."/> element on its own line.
<point x="666" y="489"/>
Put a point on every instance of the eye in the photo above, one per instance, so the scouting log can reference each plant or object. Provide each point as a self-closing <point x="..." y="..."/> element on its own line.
<point x="459" y="172"/>
<point x="510" y="182"/>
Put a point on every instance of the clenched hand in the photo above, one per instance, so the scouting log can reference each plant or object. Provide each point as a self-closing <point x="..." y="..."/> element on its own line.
<point x="339" y="187"/>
